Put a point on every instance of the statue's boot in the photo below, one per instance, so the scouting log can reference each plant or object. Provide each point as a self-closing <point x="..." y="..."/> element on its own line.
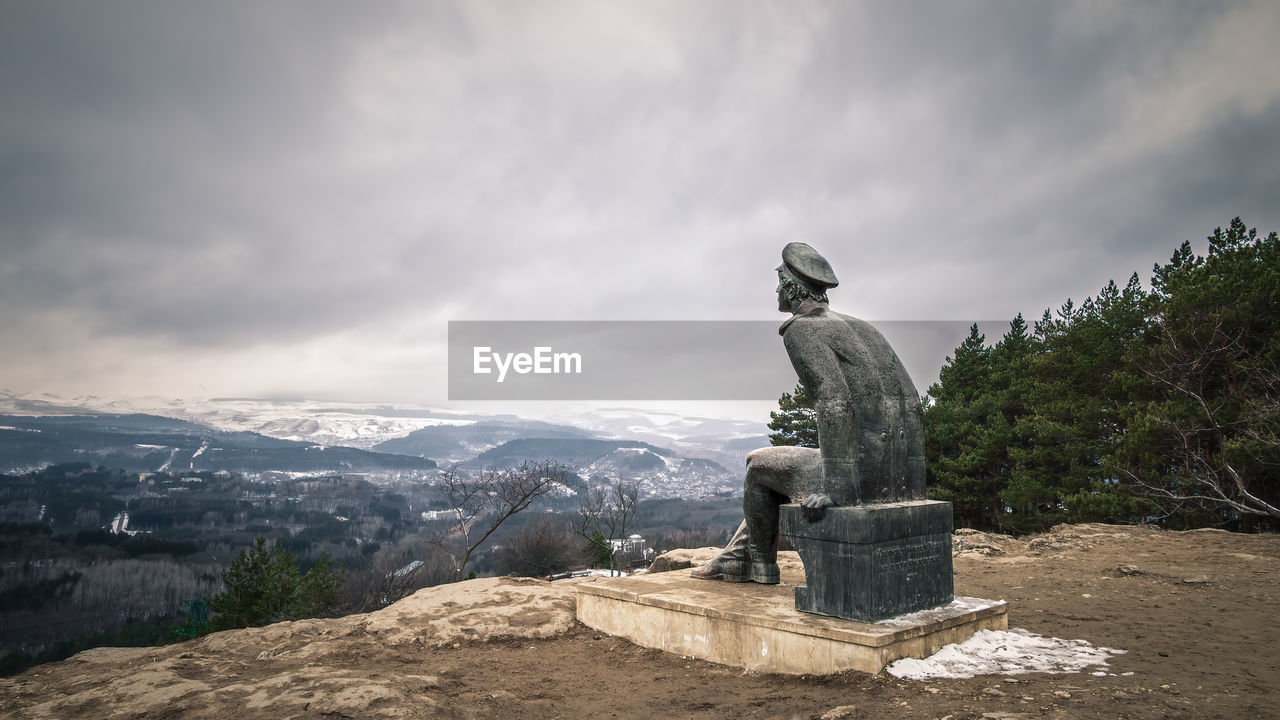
<point x="741" y="571"/>
<point x="735" y="564"/>
<point x="722" y="568"/>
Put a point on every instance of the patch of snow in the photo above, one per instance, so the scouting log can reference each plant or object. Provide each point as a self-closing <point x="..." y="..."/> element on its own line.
<point x="407" y="569"/>
<point x="958" y="603"/>
<point x="10" y="427"/>
<point x="120" y="524"/>
<point x="559" y="489"/>
<point x="1004" y="652"/>
<point x="330" y="423"/>
<point x="150" y="447"/>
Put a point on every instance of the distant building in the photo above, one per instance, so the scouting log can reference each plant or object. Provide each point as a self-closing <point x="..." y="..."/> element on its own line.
<point x="434" y="515"/>
<point x="631" y="553"/>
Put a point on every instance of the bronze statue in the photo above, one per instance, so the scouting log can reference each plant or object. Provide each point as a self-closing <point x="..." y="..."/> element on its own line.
<point x="870" y="426"/>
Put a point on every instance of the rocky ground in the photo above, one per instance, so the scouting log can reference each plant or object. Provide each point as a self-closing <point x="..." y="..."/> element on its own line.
<point x="1198" y="614"/>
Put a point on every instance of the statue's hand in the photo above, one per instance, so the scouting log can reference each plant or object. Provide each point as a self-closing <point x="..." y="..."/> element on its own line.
<point x="815" y="506"/>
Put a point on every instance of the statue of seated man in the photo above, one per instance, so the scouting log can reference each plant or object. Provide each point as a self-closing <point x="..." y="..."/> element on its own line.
<point x="870" y="425"/>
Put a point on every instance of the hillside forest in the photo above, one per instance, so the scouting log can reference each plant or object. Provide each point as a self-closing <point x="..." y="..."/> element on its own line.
<point x="94" y="556"/>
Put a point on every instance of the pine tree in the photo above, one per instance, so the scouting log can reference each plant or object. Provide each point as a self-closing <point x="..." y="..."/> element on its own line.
<point x="1011" y="388"/>
<point x="963" y="434"/>
<point x="263" y="585"/>
<point x="795" y="422"/>
<point x="1076" y="395"/>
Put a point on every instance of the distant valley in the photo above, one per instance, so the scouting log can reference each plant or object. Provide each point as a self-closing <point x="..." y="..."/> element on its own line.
<point x="673" y="456"/>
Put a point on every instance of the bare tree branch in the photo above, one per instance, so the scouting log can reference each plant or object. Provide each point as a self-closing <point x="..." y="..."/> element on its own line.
<point x="608" y="511"/>
<point x="482" y="502"/>
<point x="1204" y="367"/>
<point x="397" y="571"/>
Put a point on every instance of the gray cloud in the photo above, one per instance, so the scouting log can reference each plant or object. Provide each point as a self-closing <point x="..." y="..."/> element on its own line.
<point x="201" y="179"/>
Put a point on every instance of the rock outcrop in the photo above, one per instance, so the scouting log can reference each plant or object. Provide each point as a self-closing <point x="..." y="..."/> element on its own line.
<point x="359" y="666"/>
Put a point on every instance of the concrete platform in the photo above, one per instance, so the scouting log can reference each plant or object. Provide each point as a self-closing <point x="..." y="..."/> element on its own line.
<point x="757" y="626"/>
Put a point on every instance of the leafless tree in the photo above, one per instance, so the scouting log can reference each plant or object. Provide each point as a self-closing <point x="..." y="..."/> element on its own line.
<point x="540" y="548"/>
<point x="395" y="572"/>
<point x="483" y="501"/>
<point x="1219" y="416"/>
<point x="607" y="512"/>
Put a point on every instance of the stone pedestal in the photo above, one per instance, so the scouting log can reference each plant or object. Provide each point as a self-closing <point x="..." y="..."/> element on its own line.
<point x="757" y="627"/>
<point x="872" y="562"/>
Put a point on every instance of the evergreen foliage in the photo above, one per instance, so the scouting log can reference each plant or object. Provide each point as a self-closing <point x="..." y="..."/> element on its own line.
<point x="1079" y="388"/>
<point x="598" y="551"/>
<point x="1132" y="405"/>
<point x="794" y="422"/>
<point x="963" y="452"/>
<point x="264" y="586"/>
<point x="197" y="622"/>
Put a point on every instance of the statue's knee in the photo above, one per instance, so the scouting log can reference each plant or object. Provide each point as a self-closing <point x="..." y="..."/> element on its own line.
<point x="755" y="482"/>
<point x="759" y="469"/>
<point x="758" y="457"/>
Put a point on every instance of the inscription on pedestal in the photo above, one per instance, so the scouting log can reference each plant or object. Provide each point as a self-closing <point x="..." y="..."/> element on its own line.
<point x="914" y="555"/>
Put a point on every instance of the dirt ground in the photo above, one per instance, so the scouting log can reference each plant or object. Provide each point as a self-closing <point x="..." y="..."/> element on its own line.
<point x="1198" y="614"/>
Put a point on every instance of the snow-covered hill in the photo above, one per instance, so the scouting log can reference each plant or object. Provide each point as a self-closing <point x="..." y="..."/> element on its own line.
<point x="453" y="435"/>
<point x="364" y="425"/>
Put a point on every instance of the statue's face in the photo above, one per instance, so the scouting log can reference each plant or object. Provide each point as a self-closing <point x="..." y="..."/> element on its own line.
<point x="784" y="303"/>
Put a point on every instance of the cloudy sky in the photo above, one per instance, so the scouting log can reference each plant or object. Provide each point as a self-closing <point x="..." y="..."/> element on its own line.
<point x="292" y="199"/>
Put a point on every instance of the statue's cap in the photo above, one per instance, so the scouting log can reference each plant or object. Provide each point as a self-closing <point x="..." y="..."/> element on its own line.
<point x="806" y="263"/>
